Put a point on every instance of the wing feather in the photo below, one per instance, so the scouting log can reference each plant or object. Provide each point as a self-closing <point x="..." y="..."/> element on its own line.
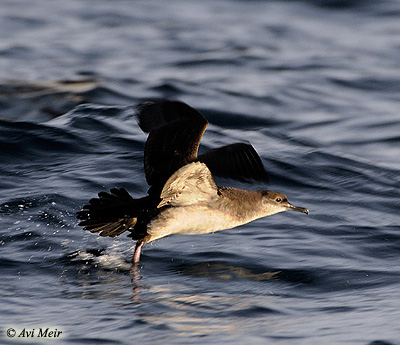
<point x="238" y="161"/>
<point x="175" y="131"/>
<point x="190" y="185"/>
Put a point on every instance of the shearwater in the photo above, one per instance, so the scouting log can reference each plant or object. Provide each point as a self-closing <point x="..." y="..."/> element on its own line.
<point x="183" y="197"/>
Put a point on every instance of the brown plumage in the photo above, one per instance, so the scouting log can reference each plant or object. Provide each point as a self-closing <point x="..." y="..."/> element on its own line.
<point x="183" y="197"/>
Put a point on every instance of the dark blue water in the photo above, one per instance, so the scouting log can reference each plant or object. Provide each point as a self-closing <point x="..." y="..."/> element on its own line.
<point x="313" y="85"/>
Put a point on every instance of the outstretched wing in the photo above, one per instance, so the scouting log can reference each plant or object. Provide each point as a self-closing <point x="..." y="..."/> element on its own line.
<point x="175" y="131"/>
<point x="191" y="184"/>
<point x="237" y="161"/>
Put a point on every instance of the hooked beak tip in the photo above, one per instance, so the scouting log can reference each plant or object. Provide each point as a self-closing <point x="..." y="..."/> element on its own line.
<point x="298" y="209"/>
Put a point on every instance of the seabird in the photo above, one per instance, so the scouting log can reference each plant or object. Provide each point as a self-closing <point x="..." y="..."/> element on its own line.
<point x="183" y="197"/>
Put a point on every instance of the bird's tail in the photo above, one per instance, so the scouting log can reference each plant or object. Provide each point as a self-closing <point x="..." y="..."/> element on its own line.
<point x="110" y="214"/>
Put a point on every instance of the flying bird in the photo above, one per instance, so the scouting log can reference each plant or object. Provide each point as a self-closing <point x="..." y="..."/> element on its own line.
<point x="183" y="197"/>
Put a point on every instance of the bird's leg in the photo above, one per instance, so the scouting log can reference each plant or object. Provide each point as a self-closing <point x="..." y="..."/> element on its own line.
<point x="135" y="272"/>
<point x="136" y="255"/>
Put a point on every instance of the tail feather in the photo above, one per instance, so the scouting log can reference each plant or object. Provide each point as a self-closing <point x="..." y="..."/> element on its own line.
<point x="110" y="214"/>
<point x="112" y="229"/>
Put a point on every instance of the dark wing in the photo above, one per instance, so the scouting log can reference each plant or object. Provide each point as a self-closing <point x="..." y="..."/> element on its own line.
<point x="158" y="112"/>
<point x="237" y="161"/>
<point x="175" y="131"/>
<point x="110" y="214"/>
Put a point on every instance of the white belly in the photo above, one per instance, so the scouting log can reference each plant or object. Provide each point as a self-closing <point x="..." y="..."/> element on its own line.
<point x="189" y="220"/>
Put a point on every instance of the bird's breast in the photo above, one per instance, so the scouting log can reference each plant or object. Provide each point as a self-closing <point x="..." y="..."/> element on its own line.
<point x="190" y="220"/>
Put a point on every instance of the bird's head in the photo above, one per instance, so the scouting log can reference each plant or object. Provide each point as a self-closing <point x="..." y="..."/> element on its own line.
<point x="275" y="202"/>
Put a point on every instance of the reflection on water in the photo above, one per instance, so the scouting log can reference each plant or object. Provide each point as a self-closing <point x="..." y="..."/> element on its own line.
<point x="224" y="271"/>
<point x="97" y="275"/>
<point x="200" y="314"/>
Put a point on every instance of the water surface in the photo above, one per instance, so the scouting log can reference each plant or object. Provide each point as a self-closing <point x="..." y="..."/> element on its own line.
<point x="313" y="85"/>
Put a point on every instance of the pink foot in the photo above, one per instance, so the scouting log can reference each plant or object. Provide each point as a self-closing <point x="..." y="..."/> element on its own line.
<point x="136" y="255"/>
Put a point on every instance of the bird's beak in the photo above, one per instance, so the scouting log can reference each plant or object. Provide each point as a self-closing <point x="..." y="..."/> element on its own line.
<point x="297" y="209"/>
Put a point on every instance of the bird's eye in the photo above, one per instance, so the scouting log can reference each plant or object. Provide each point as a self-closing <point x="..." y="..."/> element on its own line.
<point x="278" y="199"/>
